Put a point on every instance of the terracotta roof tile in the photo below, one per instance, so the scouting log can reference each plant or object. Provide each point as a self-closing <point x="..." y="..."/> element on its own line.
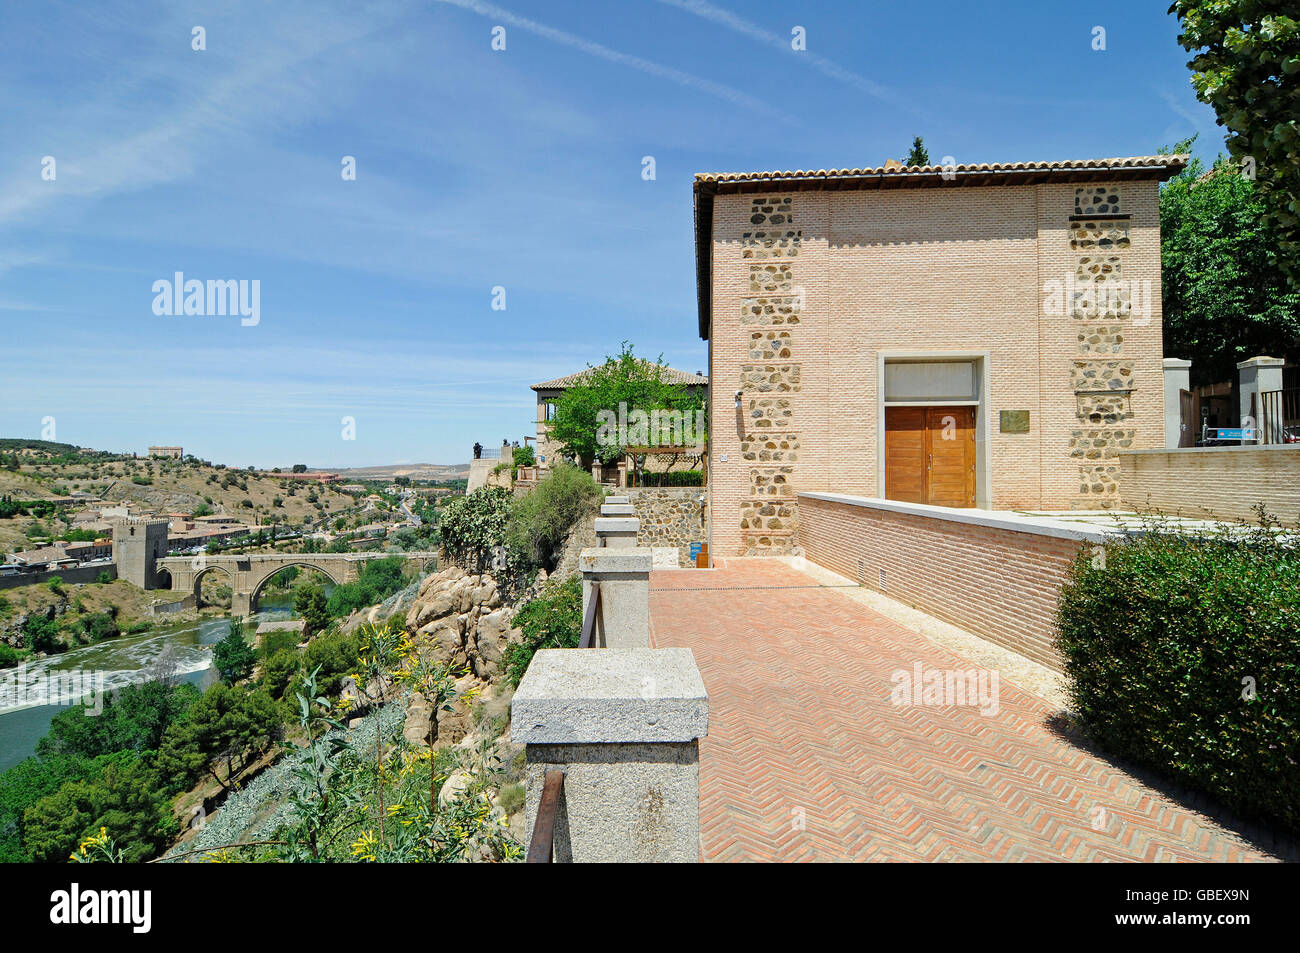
<point x="671" y="376"/>
<point x="1172" y="163"/>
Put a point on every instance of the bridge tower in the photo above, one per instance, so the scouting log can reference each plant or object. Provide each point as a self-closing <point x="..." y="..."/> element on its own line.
<point x="137" y="543"/>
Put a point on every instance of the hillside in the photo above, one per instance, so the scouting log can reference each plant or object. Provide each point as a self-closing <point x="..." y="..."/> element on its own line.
<point x="163" y="486"/>
<point x="415" y="471"/>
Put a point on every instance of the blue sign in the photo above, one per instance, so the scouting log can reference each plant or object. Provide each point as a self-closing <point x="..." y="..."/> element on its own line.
<point x="695" y="550"/>
<point x="1235" y="433"/>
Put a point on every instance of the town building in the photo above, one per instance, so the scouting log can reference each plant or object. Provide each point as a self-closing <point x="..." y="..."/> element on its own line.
<point x="171" y="452"/>
<point x="971" y="336"/>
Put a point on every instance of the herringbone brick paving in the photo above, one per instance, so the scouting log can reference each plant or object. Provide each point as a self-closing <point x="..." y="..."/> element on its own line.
<point x="808" y="760"/>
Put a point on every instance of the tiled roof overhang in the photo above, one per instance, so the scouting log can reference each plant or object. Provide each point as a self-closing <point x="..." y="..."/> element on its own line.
<point x="707" y="185"/>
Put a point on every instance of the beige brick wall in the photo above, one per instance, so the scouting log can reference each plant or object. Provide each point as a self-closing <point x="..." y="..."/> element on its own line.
<point x="808" y="302"/>
<point x="1223" y="482"/>
<point x="999" y="584"/>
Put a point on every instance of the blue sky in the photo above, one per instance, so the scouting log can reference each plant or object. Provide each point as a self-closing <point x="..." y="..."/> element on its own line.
<point x="475" y="169"/>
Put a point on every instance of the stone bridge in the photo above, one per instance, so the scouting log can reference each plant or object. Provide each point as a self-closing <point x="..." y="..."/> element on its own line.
<point x="248" y="574"/>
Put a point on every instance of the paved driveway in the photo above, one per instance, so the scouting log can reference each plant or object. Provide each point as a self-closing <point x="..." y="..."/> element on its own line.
<point x="808" y="758"/>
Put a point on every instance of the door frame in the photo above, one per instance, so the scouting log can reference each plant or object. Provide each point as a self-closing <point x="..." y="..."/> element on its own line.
<point x="983" y="464"/>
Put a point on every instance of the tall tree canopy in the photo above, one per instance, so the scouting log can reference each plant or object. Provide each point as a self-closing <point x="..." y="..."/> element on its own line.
<point x="1224" y="294"/>
<point x="919" y="155"/>
<point x="1246" y="64"/>
<point x="635" y="383"/>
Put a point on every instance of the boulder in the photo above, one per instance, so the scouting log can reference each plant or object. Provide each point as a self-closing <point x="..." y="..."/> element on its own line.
<point x="457" y="783"/>
<point x="434" y="608"/>
<point x="419" y="719"/>
<point x="491" y="638"/>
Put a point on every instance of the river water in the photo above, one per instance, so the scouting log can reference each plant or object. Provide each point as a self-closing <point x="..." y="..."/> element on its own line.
<point x="181" y="650"/>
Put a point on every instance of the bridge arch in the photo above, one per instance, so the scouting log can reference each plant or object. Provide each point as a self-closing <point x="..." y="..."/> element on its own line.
<point x="255" y="590"/>
<point x="203" y="572"/>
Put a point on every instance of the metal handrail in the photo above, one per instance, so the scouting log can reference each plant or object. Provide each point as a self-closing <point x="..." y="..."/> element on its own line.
<point x="542" y="846"/>
<point x="588" y="639"/>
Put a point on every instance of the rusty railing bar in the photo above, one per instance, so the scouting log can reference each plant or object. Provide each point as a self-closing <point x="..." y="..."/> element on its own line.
<point x="542" y="846"/>
<point x="588" y="640"/>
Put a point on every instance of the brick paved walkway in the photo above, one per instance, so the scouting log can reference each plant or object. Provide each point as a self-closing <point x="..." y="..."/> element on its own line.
<point x="807" y="759"/>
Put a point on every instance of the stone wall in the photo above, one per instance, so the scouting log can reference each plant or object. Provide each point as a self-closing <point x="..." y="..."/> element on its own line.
<point x="79" y="575"/>
<point x="670" y="516"/>
<point x="1221" y="482"/>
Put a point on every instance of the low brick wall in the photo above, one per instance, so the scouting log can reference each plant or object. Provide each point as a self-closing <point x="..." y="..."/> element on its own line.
<point x="670" y="516"/>
<point x="1223" y="482"/>
<point x="996" y="575"/>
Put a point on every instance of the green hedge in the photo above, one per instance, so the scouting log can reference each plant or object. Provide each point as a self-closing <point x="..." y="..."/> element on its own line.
<point x="672" y="478"/>
<point x="1183" y="653"/>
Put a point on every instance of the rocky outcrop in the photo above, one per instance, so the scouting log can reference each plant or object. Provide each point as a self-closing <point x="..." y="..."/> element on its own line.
<point x="458" y="620"/>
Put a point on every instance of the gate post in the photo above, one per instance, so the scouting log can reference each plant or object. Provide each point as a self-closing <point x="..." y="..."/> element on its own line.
<point x="1177" y="380"/>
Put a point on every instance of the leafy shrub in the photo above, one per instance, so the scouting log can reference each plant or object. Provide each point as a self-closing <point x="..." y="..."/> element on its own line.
<point x="42" y="634"/>
<point x="336" y="654"/>
<point x="8" y="656"/>
<point x="274" y="642"/>
<point x="98" y="625"/>
<point x="540" y="521"/>
<point x="104" y="578"/>
<point x="472" y="526"/>
<point x="671" y="478"/>
<point x="55" y="585"/>
<point x="551" y="621"/>
<point x="1183" y="653"/>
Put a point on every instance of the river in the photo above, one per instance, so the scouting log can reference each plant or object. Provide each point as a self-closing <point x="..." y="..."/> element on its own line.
<point x="181" y="649"/>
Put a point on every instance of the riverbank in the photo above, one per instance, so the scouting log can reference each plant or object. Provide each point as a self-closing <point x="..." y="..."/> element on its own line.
<point x="179" y="650"/>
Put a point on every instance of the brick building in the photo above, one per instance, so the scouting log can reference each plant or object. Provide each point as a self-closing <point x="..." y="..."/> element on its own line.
<point x="980" y="336"/>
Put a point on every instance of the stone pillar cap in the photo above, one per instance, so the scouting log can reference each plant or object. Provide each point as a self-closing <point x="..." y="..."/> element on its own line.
<point x="605" y="560"/>
<point x="617" y="524"/>
<point x="1172" y="362"/>
<point x="1261" y="361"/>
<point x="617" y="509"/>
<point x="610" y="696"/>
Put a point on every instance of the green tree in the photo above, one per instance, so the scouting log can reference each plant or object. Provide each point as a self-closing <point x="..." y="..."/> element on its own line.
<point x="309" y="602"/>
<point x="1225" y="296"/>
<point x="125" y="799"/>
<point x="1246" y="64"/>
<point x="623" y="380"/>
<point x="227" y="728"/>
<point x="233" y="657"/>
<point x="131" y="718"/>
<point x="919" y="155"/>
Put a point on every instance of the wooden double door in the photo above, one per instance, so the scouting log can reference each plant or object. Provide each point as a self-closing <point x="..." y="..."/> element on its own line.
<point x="930" y="455"/>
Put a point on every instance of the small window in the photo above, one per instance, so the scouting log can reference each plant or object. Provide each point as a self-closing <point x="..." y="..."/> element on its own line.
<point x="550" y="410"/>
<point x="930" y="380"/>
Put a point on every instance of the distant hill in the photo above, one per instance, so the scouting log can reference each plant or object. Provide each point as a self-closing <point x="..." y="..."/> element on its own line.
<point x="416" y="471"/>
